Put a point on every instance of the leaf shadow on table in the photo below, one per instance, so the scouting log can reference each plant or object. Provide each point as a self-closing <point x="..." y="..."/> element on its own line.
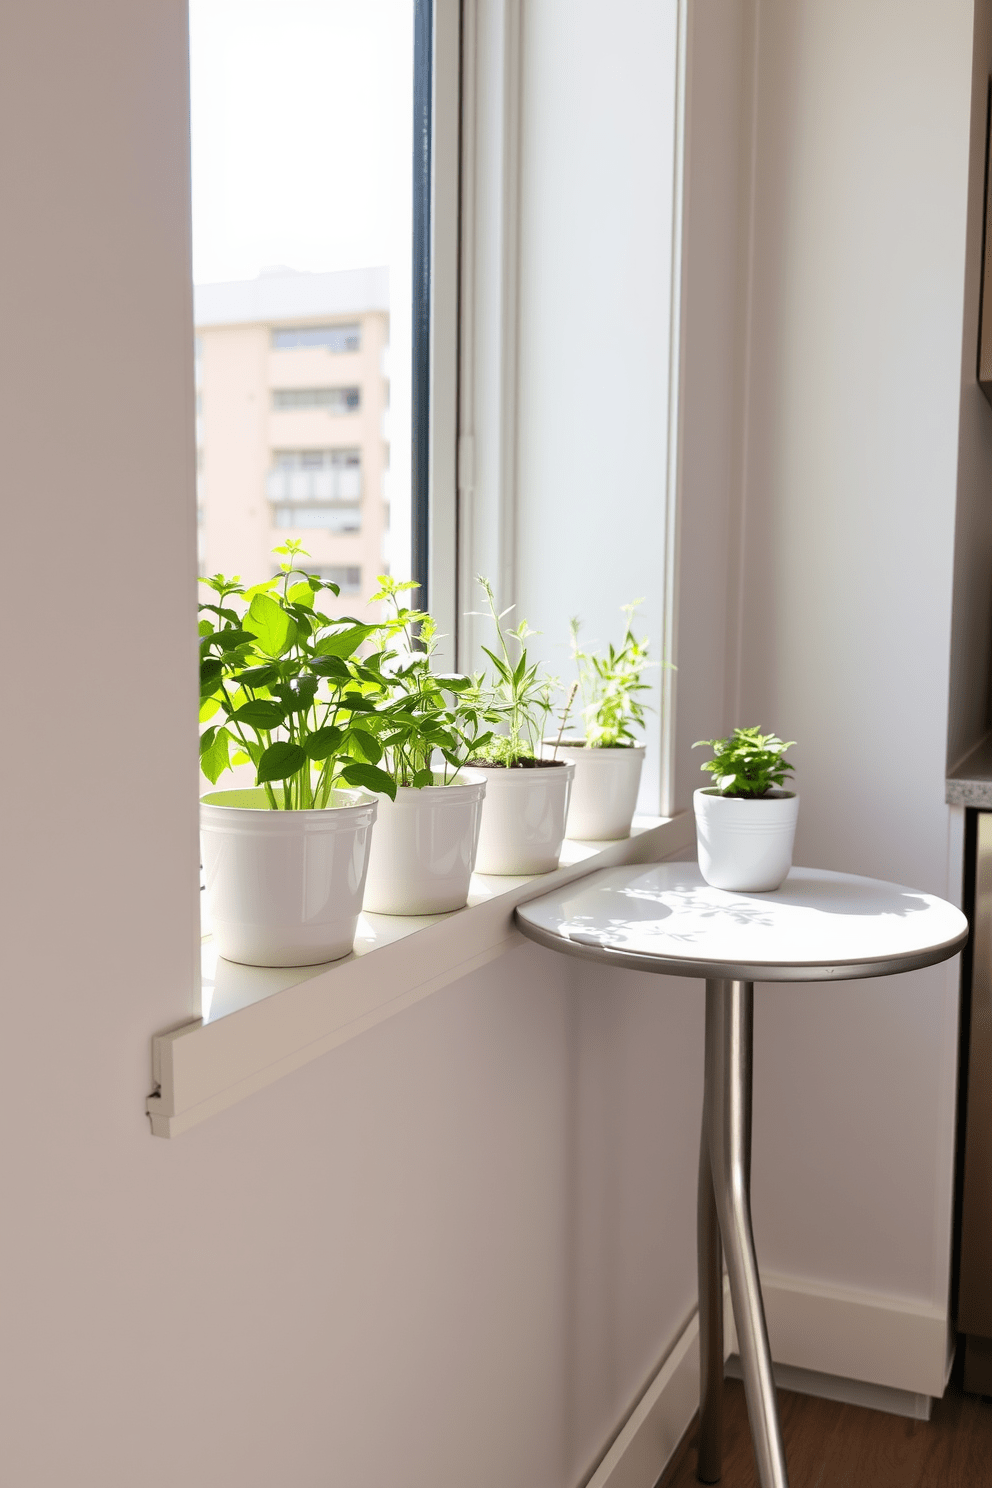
<point x="687" y="914"/>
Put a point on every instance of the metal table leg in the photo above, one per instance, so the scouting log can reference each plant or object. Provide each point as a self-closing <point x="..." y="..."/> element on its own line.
<point x="725" y="1210"/>
<point x="710" y="1259"/>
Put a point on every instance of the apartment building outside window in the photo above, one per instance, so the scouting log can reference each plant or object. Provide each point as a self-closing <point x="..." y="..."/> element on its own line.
<point x="334" y="399"/>
<point x="317" y="489"/>
<point x="286" y="449"/>
<point x="329" y="337"/>
<point x="303" y="296"/>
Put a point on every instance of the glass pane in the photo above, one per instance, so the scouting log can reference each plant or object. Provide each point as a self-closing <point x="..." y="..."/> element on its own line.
<point x="302" y="237"/>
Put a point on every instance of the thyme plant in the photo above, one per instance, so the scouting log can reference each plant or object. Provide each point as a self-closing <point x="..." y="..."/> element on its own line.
<point x="292" y="696"/>
<point x="517" y="696"/>
<point x="610" y="686"/>
<point x="748" y="764"/>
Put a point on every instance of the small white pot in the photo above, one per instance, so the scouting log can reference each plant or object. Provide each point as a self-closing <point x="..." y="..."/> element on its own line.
<point x="604" y="791"/>
<point x="742" y="844"/>
<point x="523" y="818"/>
<point x="423" y="849"/>
<point x="284" y="888"/>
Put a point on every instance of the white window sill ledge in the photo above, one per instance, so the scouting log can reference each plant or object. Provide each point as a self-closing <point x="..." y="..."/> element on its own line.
<point x="259" y="1023"/>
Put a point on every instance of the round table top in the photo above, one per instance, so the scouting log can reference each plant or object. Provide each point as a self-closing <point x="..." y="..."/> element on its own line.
<point x="819" y="926"/>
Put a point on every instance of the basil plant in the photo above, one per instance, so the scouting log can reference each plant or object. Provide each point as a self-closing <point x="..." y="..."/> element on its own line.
<point x="429" y="718"/>
<point x="282" y="687"/>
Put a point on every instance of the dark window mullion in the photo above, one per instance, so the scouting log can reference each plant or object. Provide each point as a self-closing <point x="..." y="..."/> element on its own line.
<point x="423" y="49"/>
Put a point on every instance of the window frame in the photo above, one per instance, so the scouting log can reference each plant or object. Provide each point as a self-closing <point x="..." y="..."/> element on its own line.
<point x="434" y="387"/>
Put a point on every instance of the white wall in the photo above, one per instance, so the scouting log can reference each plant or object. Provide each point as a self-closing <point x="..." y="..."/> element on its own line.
<point x="715" y="266"/>
<point x="431" y="1258"/>
<point x="854" y="369"/>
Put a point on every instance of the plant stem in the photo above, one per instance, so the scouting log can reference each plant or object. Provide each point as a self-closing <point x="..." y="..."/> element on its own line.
<point x="564" y="716"/>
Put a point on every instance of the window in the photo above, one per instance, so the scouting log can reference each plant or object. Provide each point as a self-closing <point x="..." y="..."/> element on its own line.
<point x="331" y="338"/>
<point x="348" y="577"/>
<point x="302" y="268"/>
<point x="334" y="399"/>
<point x="330" y="518"/>
<point x="309" y="476"/>
<point x="316" y="489"/>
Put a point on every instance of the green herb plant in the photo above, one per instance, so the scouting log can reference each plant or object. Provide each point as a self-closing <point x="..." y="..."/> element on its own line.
<point x="288" y="692"/>
<point x="516" y="696"/>
<point x="427" y="716"/>
<point x="748" y="764"/>
<point x="610" y="686"/>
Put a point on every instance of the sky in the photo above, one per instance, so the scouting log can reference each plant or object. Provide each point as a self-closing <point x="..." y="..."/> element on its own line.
<point x="301" y="134"/>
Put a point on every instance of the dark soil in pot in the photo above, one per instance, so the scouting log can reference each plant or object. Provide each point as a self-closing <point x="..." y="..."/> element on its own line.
<point x="520" y="764"/>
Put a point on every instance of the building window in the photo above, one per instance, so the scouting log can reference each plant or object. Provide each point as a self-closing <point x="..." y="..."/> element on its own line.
<point x="347" y="577"/>
<point x="334" y="399"/>
<point x="316" y="488"/>
<point x="331" y="338"/>
<point x="331" y="518"/>
<point x="308" y="476"/>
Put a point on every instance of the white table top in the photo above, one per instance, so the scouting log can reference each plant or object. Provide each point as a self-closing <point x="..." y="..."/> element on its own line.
<point x="818" y="926"/>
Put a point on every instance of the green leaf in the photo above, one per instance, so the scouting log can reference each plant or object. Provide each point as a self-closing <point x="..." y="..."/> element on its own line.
<point x="204" y="628"/>
<point x="422" y="778"/>
<point x="331" y="666"/>
<point x="265" y="587"/>
<point x="344" y="642"/>
<point x="258" y="676"/>
<point x="367" y="745"/>
<point x="214" y="759"/>
<point x="272" y="628"/>
<point x="355" y="703"/>
<point x="369" y="778"/>
<point x="228" y="640"/>
<point x="301" y="594"/>
<point x="260" y="714"/>
<point x="208" y="708"/>
<point x="279" y="761"/>
<point x="230" y="616"/>
<point x="211" y="672"/>
<point x="297" y="696"/>
<point x="323" y="742"/>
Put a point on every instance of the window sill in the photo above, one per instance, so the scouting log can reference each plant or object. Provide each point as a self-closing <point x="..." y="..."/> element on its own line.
<point x="260" y="1023"/>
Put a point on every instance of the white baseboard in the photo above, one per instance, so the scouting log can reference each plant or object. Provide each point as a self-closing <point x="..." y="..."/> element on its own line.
<point x="659" y="1420"/>
<point x="848" y="1391"/>
<point x="862" y="1336"/>
<point x="864" y="1348"/>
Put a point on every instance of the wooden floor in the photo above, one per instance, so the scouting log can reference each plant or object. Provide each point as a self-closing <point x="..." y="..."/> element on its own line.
<point x="844" y="1446"/>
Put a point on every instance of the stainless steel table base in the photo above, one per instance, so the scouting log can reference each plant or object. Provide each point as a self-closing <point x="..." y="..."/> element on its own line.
<point x="818" y="927"/>
<point x="724" y="1214"/>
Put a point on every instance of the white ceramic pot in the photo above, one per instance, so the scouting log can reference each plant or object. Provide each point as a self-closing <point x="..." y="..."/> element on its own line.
<point x="284" y="888"/>
<point x="604" y="791"/>
<point x="423" y="848"/>
<point x="523" y="817"/>
<point x="742" y="844"/>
